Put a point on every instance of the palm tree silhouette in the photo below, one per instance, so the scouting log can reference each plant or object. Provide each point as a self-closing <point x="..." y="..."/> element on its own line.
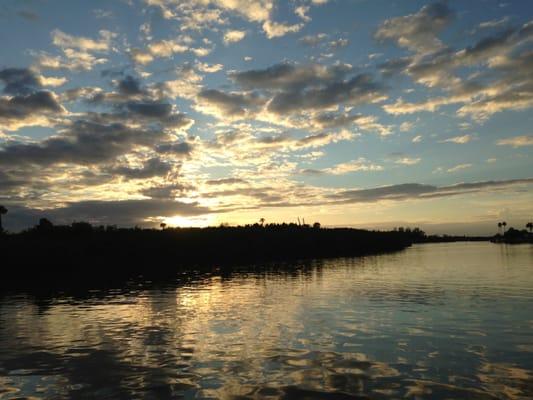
<point x="3" y="211"/>
<point x="163" y="225"/>
<point x="504" y="224"/>
<point x="262" y="221"/>
<point x="499" y="227"/>
<point x="529" y="226"/>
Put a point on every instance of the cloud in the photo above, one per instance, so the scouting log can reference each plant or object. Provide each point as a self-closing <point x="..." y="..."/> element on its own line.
<point x="26" y="104"/>
<point x="78" y="51"/>
<point x="504" y="84"/>
<point x="458" y="139"/>
<point x="202" y="14"/>
<point x="232" y="105"/>
<point x="226" y="181"/>
<point x="277" y="29"/>
<point x="141" y="57"/>
<point x="459" y="167"/>
<point x="182" y="149"/>
<point x="516" y="141"/>
<point x="166" y="191"/>
<point x="407" y="191"/>
<point x="130" y="86"/>
<point x="209" y="69"/>
<point x="338" y="43"/>
<point x="302" y="12"/>
<point x="152" y="167"/>
<point x="66" y="41"/>
<point x="359" y="165"/>
<point x="407" y="161"/>
<point x="313" y="40"/>
<point x="19" y="81"/>
<point x="417" y="139"/>
<point x="167" y="48"/>
<point x="417" y="32"/>
<point x="494" y="23"/>
<point x="82" y="143"/>
<point x="233" y="36"/>
<point x="120" y="212"/>
<point x="287" y="76"/>
<point x="355" y="91"/>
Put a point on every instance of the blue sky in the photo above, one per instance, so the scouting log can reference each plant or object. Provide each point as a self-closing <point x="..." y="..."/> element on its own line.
<point x="363" y="113"/>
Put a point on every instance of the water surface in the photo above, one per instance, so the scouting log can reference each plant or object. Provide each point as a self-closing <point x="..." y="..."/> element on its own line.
<point x="435" y="321"/>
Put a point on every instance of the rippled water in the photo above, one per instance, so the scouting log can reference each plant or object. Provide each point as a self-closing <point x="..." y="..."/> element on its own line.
<point x="439" y="321"/>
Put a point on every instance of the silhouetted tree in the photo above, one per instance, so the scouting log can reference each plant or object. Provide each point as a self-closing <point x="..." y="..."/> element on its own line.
<point x="163" y="225"/>
<point x="504" y="224"/>
<point x="45" y="225"/>
<point x="529" y="226"/>
<point x="262" y="221"/>
<point x="316" y="225"/>
<point x="3" y="211"/>
<point x="499" y="227"/>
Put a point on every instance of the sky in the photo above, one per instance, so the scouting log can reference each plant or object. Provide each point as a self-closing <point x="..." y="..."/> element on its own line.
<point x="359" y="113"/>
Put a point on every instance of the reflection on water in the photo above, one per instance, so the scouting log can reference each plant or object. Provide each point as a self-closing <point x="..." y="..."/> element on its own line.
<point x="436" y="321"/>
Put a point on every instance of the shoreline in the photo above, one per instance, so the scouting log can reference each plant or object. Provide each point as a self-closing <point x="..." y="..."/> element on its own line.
<point x="64" y="256"/>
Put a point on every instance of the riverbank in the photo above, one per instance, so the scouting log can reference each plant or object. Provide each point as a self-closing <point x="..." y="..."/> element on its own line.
<point x="82" y="253"/>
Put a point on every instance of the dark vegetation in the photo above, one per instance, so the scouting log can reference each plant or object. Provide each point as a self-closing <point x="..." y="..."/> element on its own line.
<point x="416" y="235"/>
<point x="512" y="235"/>
<point x="81" y="252"/>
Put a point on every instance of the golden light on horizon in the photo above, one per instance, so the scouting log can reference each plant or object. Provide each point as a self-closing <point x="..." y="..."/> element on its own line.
<point x="190" y="222"/>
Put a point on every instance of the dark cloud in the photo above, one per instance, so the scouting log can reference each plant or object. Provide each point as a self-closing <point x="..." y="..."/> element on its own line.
<point x="421" y="191"/>
<point x="265" y="194"/>
<point x="180" y="149"/>
<point x="149" y="112"/>
<point x="226" y="181"/>
<point x="289" y="76"/>
<point x="19" y="81"/>
<point x="417" y="31"/>
<point x="291" y="89"/>
<point x="83" y="142"/>
<point x="231" y="104"/>
<point x="20" y="107"/>
<point x="123" y="213"/>
<point x="168" y="191"/>
<point x="151" y="168"/>
<point x="358" y="90"/>
<point x="130" y="86"/>
<point x="335" y="120"/>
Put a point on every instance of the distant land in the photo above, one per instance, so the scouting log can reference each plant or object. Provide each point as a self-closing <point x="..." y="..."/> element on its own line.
<point x="81" y="253"/>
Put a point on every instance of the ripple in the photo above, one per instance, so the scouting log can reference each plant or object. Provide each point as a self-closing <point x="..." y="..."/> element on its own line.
<point x="434" y="321"/>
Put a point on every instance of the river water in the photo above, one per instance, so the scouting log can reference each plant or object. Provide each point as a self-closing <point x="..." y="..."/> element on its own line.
<point x="436" y="321"/>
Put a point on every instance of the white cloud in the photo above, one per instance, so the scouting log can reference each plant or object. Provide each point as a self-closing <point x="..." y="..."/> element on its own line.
<point x="276" y="29"/>
<point x="66" y="41"/>
<point x="516" y="141"/>
<point x="407" y="161"/>
<point x="459" y="167"/>
<point x="209" y="68"/>
<point x="233" y="36"/>
<point x="458" y="139"/>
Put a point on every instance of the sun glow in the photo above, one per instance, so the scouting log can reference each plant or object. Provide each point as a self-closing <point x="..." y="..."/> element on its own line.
<point x="188" y="222"/>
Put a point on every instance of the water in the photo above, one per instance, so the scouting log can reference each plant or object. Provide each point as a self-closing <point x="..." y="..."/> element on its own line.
<point x="439" y="321"/>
